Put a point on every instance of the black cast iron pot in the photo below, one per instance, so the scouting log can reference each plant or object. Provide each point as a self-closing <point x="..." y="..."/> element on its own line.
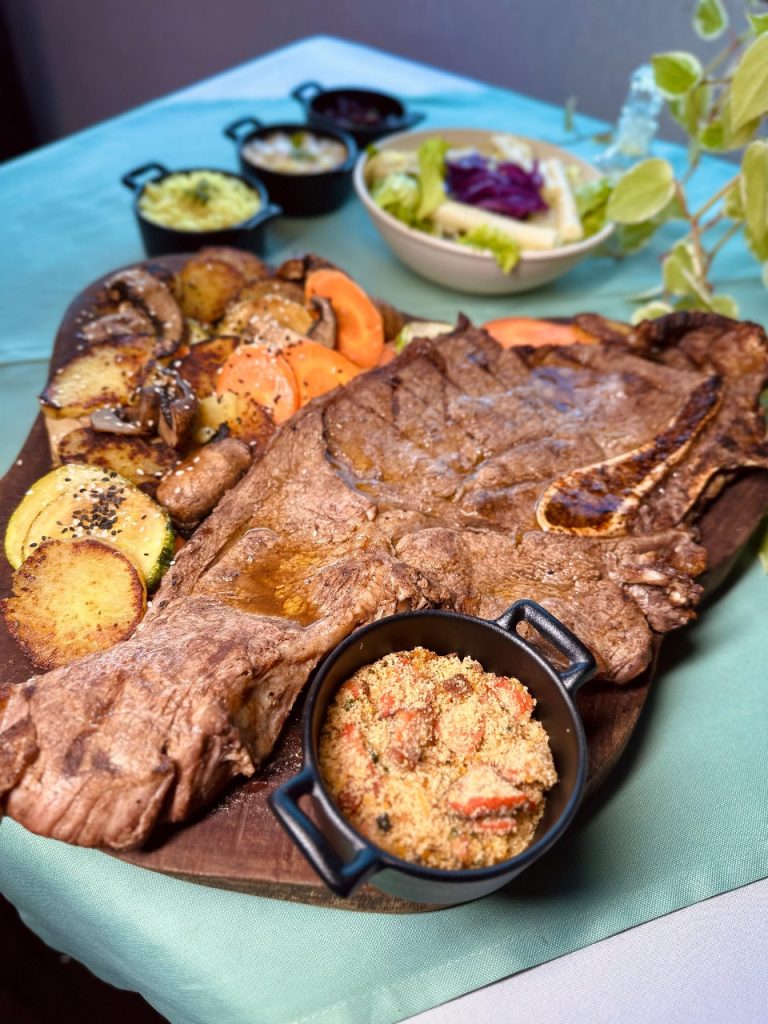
<point x="300" y="195"/>
<point x="344" y="858"/>
<point x="325" y="108"/>
<point x="160" y="240"/>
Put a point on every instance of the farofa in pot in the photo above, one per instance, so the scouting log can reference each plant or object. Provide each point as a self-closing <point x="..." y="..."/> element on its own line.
<point x="199" y="201"/>
<point x="437" y="761"/>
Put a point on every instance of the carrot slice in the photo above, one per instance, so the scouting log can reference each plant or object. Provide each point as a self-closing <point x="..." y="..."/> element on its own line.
<point x="264" y="376"/>
<point x="520" y="330"/>
<point x="388" y="353"/>
<point x="360" y="326"/>
<point x="318" y="369"/>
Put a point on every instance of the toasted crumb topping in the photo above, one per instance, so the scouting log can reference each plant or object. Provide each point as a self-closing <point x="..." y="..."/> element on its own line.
<point x="437" y="761"/>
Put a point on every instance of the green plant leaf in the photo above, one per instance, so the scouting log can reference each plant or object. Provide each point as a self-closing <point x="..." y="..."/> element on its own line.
<point x="654" y="292"/>
<point x="754" y="196"/>
<point x="710" y="19"/>
<point x="763" y="551"/>
<point x="676" y="72"/>
<point x="689" y="110"/>
<point x="651" y="311"/>
<point x="591" y="204"/>
<point x="725" y="305"/>
<point x="732" y="205"/>
<point x="749" y="88"/>
<point x="720" y="136"/>
<point x="689" y="302"/>
<point x="712" y="136"/>
<point x="759" y="23"/>
<point x="682" y="271"/>
<point x="642" y="192"/>
<point x="632" y="237"/>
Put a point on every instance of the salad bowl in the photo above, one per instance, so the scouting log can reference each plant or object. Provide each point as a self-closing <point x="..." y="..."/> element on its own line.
<point x="455" y="265"/>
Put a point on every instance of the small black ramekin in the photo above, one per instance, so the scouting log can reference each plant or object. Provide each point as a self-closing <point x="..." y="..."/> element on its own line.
<point x="344" y="858"/>
<point x="319" y="105"/>
<point x="300" y="195"/>
<point x="160" y="240"/>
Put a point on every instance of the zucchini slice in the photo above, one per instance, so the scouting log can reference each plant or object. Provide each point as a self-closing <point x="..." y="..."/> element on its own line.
<point x="73" y="598"/>
<point x="100" y="504"/>
<point x="42" y="491"/>
<point x="106" y="373"/>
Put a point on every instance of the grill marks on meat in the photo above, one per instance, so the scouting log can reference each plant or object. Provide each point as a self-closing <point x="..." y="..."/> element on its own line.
<point x="415" y="485"/>
<point x="600" y="500"/>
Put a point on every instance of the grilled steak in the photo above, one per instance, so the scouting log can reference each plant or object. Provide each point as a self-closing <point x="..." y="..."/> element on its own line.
<point x="459" y="475"/>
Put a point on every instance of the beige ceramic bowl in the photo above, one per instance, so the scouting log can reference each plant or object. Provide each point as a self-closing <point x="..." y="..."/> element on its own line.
<point x="453" y="265"/>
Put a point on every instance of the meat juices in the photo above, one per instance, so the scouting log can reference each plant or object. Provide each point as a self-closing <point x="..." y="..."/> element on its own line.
<point x="437" y="761"/>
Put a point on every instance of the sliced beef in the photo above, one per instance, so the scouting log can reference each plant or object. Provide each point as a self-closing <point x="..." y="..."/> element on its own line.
<point x="416" y="485"/>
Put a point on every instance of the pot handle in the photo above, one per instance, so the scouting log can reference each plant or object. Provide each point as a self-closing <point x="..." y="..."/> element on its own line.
<point x="132" y="180"/>
<point x="411" y="118"/>
<point x="581" y="663"/>
<point x="306" y="92"/>
<point x="266" y="213"/>
<point x="340" y="878"/>
<point x="232" y="131"/>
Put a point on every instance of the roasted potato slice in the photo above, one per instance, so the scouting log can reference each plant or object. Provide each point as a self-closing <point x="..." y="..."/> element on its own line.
<point x="257" y="290"/>
<point x="106" y="373"/>
<point x="72" y="598"/>
<point x="238" y="316"/>
<point x="246" y="419"/>
<point x="205" y="286"/>
<point x="200" y="366"/>
<point x="250" y="266"/>
<point x="243" y="318"/>
<point x="197" y="332"/>
<point x="135" y="458"/>
<point x="293" y="315"/>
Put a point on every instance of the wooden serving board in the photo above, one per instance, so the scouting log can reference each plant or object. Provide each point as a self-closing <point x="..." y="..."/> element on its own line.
<point x="238" y="844"/>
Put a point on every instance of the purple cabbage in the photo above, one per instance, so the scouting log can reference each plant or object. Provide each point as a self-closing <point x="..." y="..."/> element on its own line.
<point x="505" y="188"/>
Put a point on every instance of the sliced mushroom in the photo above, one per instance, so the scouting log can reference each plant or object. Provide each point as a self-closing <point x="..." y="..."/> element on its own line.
<point x="110" y="421"/>
<point x="325" y="328"/>
<point x="127" y="319"/>
<point x="177" y="410"/>
<point x="296" y="269"/>
<point x="148" y="409"/>
<point x="392" y="319"/>
<point x="150" y="294"/>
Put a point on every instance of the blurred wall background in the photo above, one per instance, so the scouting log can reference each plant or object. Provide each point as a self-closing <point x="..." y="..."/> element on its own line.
<point x="78" y="61"/>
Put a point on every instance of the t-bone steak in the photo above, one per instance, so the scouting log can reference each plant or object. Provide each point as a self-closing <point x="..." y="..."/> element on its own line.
<point x="461" y="475"/>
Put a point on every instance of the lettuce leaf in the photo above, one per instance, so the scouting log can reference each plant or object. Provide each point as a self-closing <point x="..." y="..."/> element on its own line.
<point x="504" y="249"/>
<point x="431" y="155"/>
<point x="399" y="195"/>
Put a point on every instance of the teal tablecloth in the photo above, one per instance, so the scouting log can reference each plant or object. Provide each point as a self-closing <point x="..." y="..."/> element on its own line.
<point x="685" y="815"/>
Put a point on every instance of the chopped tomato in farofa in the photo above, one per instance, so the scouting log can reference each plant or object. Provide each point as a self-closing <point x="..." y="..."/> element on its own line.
<point x="436" y="760"/>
